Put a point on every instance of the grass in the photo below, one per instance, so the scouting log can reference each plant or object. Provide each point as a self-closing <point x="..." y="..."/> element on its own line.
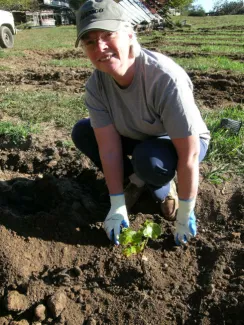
<point x="63" y="110"/>
<point x="204" y="41"/>
<point x="226" y="151"/>
<point x="228" y="49"/>
<point x="4" y="54"/>
<point x="211" y="64"/>
<point x="217" y="53"/>
<point x="204" y="38"/>
<point x="211" y="49"/>
<point x="211" y="21"/>
<point x="46" y="38"/>
<point x="17" y="132"/>
<point x="4" y="68"/>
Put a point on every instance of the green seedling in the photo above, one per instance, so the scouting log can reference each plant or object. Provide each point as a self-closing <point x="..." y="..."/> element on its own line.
<point x="134" y="242"/>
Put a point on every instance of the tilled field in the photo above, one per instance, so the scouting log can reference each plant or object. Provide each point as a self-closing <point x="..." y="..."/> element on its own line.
<point x="56" y="263"/>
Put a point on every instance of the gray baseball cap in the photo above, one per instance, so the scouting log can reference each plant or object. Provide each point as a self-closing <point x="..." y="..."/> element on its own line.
<point x="99" y="14"/>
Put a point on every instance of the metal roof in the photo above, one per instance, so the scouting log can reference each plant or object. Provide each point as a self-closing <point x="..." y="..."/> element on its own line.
<point x="136" y="11"/>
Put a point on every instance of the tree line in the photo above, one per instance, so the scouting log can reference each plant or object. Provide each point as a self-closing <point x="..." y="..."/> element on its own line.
<point x="229" y="7"/>
<point x="221" y="7"/>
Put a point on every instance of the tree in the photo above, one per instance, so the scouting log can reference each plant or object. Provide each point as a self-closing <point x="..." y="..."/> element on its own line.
<point x="181" y="3"/>
<point x="196" y="10"/>
<point x="175" y="3"/>
<point x="18" y="5"/>
<point x="224" y="7"/>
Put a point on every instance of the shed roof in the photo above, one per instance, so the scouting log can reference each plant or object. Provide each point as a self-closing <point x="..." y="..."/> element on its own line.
<point x="137" y="11"/>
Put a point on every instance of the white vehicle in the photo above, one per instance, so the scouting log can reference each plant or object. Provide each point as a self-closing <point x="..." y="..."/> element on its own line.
<point x="7" y="29"/>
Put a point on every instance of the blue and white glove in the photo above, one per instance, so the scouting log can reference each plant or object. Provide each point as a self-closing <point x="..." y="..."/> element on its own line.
<point x="185" y="224"/>
<point x="117" y="218"/>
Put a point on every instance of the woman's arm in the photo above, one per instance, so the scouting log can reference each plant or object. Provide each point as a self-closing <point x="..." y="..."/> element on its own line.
<point x="110" y="150"/>
<point x="188" y="166"/>
<point x="188" y="174"/>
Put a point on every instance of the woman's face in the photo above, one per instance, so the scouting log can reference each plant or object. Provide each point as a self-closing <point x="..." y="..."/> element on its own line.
<point x="110" y="52"/>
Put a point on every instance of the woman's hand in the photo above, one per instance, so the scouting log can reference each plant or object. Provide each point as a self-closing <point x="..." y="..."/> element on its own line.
<point x="117" y="218"/>
<point x="185" y="225"/>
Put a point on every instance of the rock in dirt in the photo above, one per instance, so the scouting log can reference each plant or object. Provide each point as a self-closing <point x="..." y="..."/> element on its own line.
<point x="210" y="288"/>
<point x="16" y="301"/>
<point x="235" y="235"/>
<point x="21" y="322"/>
<point x="57" y="303"/>
<point x="4" y="321"/>
<point x="77" y="271"/>
<point x="91" y="321"/>
<point x="40" y="312"/>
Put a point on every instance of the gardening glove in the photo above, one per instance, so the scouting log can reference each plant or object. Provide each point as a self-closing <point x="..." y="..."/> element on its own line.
<point x="117" y="218"/>
<point x="185" y="222"/>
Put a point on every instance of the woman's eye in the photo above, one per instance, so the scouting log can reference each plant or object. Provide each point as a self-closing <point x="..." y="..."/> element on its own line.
<point x="89" y="42"/>
<point x="107" y="35"/>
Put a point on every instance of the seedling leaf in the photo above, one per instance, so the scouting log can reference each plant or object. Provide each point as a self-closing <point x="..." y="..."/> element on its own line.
<point x="135" y="242"/>
<point x="126" y="237"/>
<point x="152" y="230"/>
<point x="137" y="237"/>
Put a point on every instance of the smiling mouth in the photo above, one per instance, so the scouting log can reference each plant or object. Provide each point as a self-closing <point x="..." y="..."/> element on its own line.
<point x="106" y="58"/>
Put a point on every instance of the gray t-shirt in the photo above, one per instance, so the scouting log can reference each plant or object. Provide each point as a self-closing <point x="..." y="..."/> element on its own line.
<point x="159" y="101"/>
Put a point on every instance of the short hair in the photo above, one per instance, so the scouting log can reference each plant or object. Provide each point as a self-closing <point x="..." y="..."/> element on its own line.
<point x="135" y="46"/>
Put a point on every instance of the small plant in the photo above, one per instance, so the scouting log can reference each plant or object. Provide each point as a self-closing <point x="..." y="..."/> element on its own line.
<point x="16" y="132"/>
<point x="135" y="242"/>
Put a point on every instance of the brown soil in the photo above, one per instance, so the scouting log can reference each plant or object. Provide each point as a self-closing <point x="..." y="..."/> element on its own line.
<point x="56" y="263"/>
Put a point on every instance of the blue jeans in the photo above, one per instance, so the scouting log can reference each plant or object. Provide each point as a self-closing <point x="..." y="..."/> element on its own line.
<point x="153" y="160"/>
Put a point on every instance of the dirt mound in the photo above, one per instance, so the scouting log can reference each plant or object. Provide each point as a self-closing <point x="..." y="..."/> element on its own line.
<point x="53" y="248"/>
<point x="71" y="80"/>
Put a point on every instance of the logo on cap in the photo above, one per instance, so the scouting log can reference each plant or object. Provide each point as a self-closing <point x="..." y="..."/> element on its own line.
<point x="90" y="12"/>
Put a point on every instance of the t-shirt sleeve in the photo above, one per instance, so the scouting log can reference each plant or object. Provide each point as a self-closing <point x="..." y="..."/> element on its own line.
<point x="96" y="104"/>
<point x="177" y="109"/>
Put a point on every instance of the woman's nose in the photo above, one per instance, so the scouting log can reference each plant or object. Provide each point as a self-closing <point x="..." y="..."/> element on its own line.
<point x="101" y="45"/>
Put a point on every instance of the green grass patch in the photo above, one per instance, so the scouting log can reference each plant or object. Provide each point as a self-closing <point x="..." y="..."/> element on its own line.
<point x="17" y="132"/>
<point x="215" y="49"/>
<point x="71" y="63"/>
<point x="210" y="64"/>
<point x="212" y="49"/>
<point x="63" y="110"/>
<point x="211" y="21"/>
<point x="205" y="39"/>
<point x="46" y="38"/>
<point x="203" y="42"/>
<point x="10" y="53"/>
<point x="4" y="68"/>
<point x="226" y="150"/>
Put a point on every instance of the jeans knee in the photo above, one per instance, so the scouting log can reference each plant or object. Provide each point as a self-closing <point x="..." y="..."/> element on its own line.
<point x="80" y="132"/>
<point x="155" y="165"/>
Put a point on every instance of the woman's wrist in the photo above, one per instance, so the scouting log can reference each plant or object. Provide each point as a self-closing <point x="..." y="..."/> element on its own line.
<point x="185" y="208"/>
